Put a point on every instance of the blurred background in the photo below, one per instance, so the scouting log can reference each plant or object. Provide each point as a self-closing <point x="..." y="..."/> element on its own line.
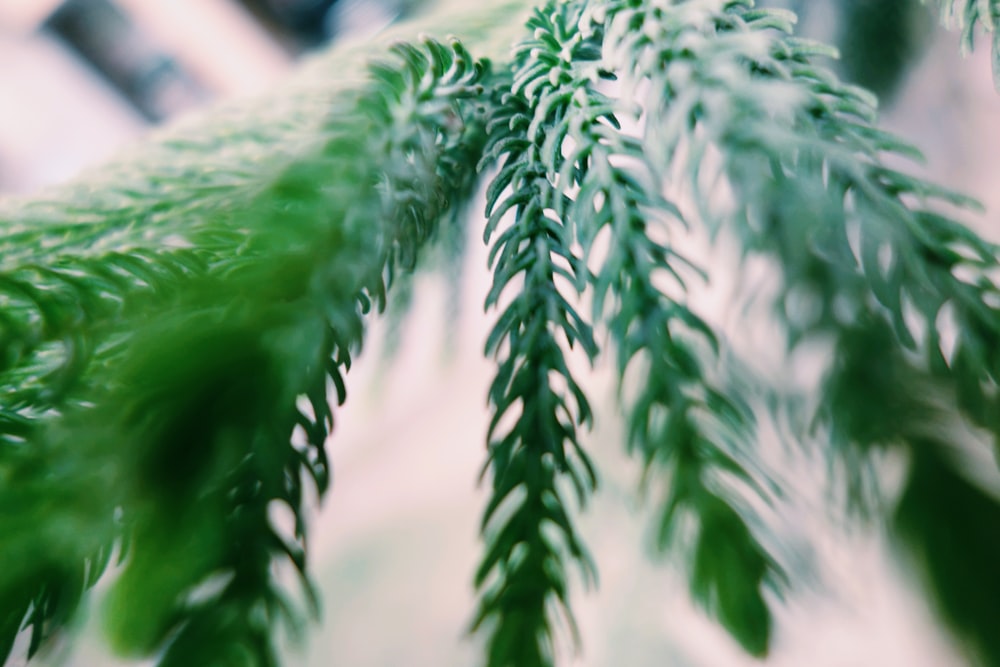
<point x="79" y="78"/>
<point x="395" y="545"/>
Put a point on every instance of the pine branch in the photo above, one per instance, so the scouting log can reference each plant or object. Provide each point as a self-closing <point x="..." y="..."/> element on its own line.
<point x="966" y="15"/>
<point x="536" y="400"/>
<point x="800" y="156"/>
<point x="187" y="413"/>
<point x="169" y="335"/>
<point x="606" y="183"/>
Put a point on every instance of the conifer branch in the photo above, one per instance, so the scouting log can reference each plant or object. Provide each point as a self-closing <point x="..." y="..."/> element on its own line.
<point x="800" y="155"/>
<point x="966" y="15"/>
<point x="191" y="429"/>
<point x="168" y="342"/>
<point x="680" y="422"/>
<point x="537" y="403"/>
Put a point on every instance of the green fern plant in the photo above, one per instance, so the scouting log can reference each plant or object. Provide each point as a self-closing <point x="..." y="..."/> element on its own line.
<point x="170" y="323"/>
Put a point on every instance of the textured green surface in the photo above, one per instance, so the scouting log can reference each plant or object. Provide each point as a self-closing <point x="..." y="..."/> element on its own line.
<point x="175" y="327"/>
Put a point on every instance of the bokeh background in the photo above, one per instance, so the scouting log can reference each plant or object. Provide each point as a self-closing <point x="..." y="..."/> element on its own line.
<point x="395" y="543"/>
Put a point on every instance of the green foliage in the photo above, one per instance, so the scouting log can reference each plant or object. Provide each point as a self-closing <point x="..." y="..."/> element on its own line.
<point x="201" y="363"/>
<point x="967" y="15"/>
<point x="172" y="336"/>
<point x="941" y="514"/>
<point x="523" y="572"/>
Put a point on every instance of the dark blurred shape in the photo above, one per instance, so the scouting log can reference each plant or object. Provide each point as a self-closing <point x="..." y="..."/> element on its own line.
<point x="951" y="528"/>
<point x="297" y="23"/>
<point x="108" y="41"/>
<point x="879" y="40"/>
<point x="304" y="16"/>
<point x="301" y="25"/>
